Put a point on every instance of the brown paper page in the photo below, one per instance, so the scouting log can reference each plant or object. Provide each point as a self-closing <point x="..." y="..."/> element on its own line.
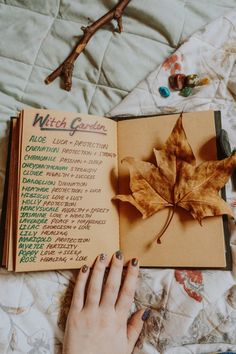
<point x="185" y="243"/>
<point x="68" y="166"/>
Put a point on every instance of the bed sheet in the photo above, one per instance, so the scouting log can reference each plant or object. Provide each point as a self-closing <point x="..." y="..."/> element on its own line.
<point x="35" y="36"/>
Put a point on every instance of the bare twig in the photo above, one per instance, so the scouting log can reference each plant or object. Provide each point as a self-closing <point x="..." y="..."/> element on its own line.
<point x="65" y="70"/>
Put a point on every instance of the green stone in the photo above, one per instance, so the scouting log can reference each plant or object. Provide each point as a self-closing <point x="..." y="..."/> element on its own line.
<point x="186" y="91"/>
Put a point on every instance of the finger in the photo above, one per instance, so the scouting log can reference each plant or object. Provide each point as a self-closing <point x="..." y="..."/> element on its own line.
<point x="126" y="295"/>
<point x="135" y="325"/>
<point x="79" y="290"/>
<point x="112" y="285"/>
<point x="95" y="284"/>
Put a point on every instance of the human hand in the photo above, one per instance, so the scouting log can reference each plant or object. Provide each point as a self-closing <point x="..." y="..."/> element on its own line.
<point x="98" y="322"/>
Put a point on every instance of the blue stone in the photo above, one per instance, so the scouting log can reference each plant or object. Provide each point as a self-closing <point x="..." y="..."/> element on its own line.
<point x="164" y="91"/>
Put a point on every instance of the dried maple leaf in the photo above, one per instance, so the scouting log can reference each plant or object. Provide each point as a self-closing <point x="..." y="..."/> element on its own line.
<point x="176" y="181"/>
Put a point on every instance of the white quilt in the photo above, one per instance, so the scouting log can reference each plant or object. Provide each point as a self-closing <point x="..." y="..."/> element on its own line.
<point x="192" y="312"/>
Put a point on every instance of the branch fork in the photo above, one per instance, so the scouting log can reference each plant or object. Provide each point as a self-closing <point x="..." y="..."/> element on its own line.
<point x="65" y="70"/>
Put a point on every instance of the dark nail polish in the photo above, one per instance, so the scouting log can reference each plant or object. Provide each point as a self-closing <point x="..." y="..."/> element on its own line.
<point x="119" y="255"/>
<point x="84" y="268"/>
<point x="102" y="257"/>
<point x="134" y="262"/>
<point x="146" y="314"/>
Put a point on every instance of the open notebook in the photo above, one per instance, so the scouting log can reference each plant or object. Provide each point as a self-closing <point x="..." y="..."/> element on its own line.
<point x="64" y="170"/>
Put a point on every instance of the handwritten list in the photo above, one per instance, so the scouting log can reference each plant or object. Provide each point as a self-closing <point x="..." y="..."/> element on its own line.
<point x="65" y="214"/>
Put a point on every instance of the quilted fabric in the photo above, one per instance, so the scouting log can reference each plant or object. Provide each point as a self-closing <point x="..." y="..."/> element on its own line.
<point x="35" y="36"/>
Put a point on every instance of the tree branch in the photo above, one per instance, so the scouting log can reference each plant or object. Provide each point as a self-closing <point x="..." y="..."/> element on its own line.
<point x="65" y="70"/>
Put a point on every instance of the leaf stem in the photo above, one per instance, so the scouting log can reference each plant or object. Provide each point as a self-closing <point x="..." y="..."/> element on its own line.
<point x="170" y="217"/>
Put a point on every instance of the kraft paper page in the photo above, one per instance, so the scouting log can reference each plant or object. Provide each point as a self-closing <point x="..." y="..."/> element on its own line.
<point x="67" y="179"/>
<point x="185" y="243"/>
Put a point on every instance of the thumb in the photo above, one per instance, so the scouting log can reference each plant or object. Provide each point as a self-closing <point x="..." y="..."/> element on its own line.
<point x="135" y="325"/>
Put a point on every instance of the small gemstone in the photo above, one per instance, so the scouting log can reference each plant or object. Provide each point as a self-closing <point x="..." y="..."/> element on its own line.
<point x="164" y="91"/>
<point x="172" y="81"/>
<point x="191" y="80"/>
<point x="203" y="81"/>
<point x="177" y="81"/>
<point x="180" y="81"/>
<point x="186" y="91"/>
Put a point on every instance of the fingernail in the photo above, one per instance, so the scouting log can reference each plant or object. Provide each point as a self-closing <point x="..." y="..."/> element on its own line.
<point x="146" y="314"/>
<point x="102" y="257"/>
<point x="119" y="255"/>
<point x="84" y="268"/>
<point x="134" y="262"/>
